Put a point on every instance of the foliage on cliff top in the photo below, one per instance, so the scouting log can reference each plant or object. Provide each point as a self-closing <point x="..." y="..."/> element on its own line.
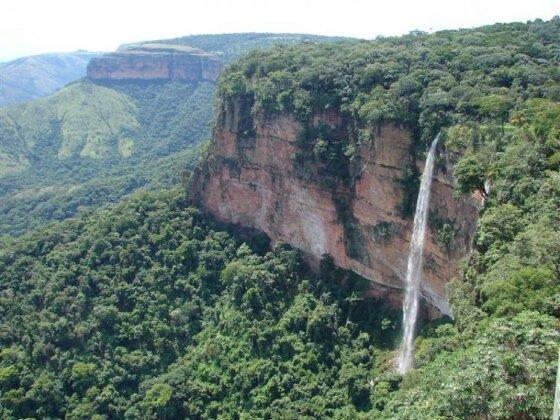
<point x="423" y="80"/>
<point x="231" y="46"/>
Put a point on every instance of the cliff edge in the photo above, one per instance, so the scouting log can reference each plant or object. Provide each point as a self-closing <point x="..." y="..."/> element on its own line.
<point x="253" y="179"/>
<point x="156" y="62"/>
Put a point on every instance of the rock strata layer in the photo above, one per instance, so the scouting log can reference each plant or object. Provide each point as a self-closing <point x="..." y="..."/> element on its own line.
<point x="156" y="62"/>
<point x="252" y="182"/>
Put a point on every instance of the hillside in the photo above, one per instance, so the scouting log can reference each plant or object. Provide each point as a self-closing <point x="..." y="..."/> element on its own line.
<point x="36" y="76"/>
<point x="88" y="120"/>
<point x="88" y="145"/>
<point x="180" y="275"/>
<point x="102" y="126"/>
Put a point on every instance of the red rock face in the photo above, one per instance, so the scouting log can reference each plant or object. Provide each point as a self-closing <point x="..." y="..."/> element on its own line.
<point x="154" y="66"/>
<point x="253" y="183"/>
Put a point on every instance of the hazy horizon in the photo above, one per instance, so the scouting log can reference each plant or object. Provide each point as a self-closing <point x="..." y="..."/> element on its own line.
<point x="66" y="26"/>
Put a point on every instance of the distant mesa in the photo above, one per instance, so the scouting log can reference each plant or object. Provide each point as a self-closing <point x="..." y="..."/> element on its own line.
<point x="155" y="61"/>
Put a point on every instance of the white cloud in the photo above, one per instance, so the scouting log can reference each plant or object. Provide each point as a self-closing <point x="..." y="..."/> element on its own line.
<point x="37" y="26"/>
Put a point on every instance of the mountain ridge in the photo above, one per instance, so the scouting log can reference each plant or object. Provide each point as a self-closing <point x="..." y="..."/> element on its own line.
<point x="36" y="76"/>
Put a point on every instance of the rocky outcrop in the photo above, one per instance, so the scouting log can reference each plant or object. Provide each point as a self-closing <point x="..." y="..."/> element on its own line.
<point x="156" y="62"/>
<point x="250" y="180"/>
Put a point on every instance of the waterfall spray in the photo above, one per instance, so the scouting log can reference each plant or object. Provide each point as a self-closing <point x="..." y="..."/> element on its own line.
<point x="414" y="266"/>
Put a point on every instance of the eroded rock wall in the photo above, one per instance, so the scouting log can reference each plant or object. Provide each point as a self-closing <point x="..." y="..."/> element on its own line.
<point x="156" y="64"/>
<point x="251" y="181"/>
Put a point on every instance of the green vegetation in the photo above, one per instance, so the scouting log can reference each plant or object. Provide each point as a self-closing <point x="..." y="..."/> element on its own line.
<point x="82" y="119"/>
<point x="384" y="231"/>
<point x="173" y="115"/>
<point x="425" y="82"/>
<point x="443" y="230"/>
<point x="89" y="145"/>
<point x="34" y="206"/>
<point x="410" y="183"/>
<point x="147" y="309"/>
<point x="123" y="120"/>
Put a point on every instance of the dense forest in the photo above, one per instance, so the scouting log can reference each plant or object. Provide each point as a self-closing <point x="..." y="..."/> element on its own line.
<point x="148" y="309"/>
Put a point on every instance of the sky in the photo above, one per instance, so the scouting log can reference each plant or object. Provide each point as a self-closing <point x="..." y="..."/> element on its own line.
<point x="30" y="27"/>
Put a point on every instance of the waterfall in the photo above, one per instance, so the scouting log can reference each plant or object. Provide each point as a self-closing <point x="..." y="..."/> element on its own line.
<point x="414" y="266"/>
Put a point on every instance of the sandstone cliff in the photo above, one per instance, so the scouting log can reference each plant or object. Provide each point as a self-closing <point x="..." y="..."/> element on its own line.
<point x="156" y="62"/>
<point x="252" y="181"/>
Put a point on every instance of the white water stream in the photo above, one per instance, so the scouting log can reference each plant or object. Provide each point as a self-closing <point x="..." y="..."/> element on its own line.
<point x="414" y="266"/>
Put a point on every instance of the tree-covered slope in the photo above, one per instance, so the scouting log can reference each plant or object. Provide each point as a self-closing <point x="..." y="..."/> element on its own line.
<point x="80" y="120"/>
<point x="88" y="120"/>
<point x="81" y="189"/>
<point x="96" y="311"/>
<point x="148" y="310"/>
<point x="36" y="76"/>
